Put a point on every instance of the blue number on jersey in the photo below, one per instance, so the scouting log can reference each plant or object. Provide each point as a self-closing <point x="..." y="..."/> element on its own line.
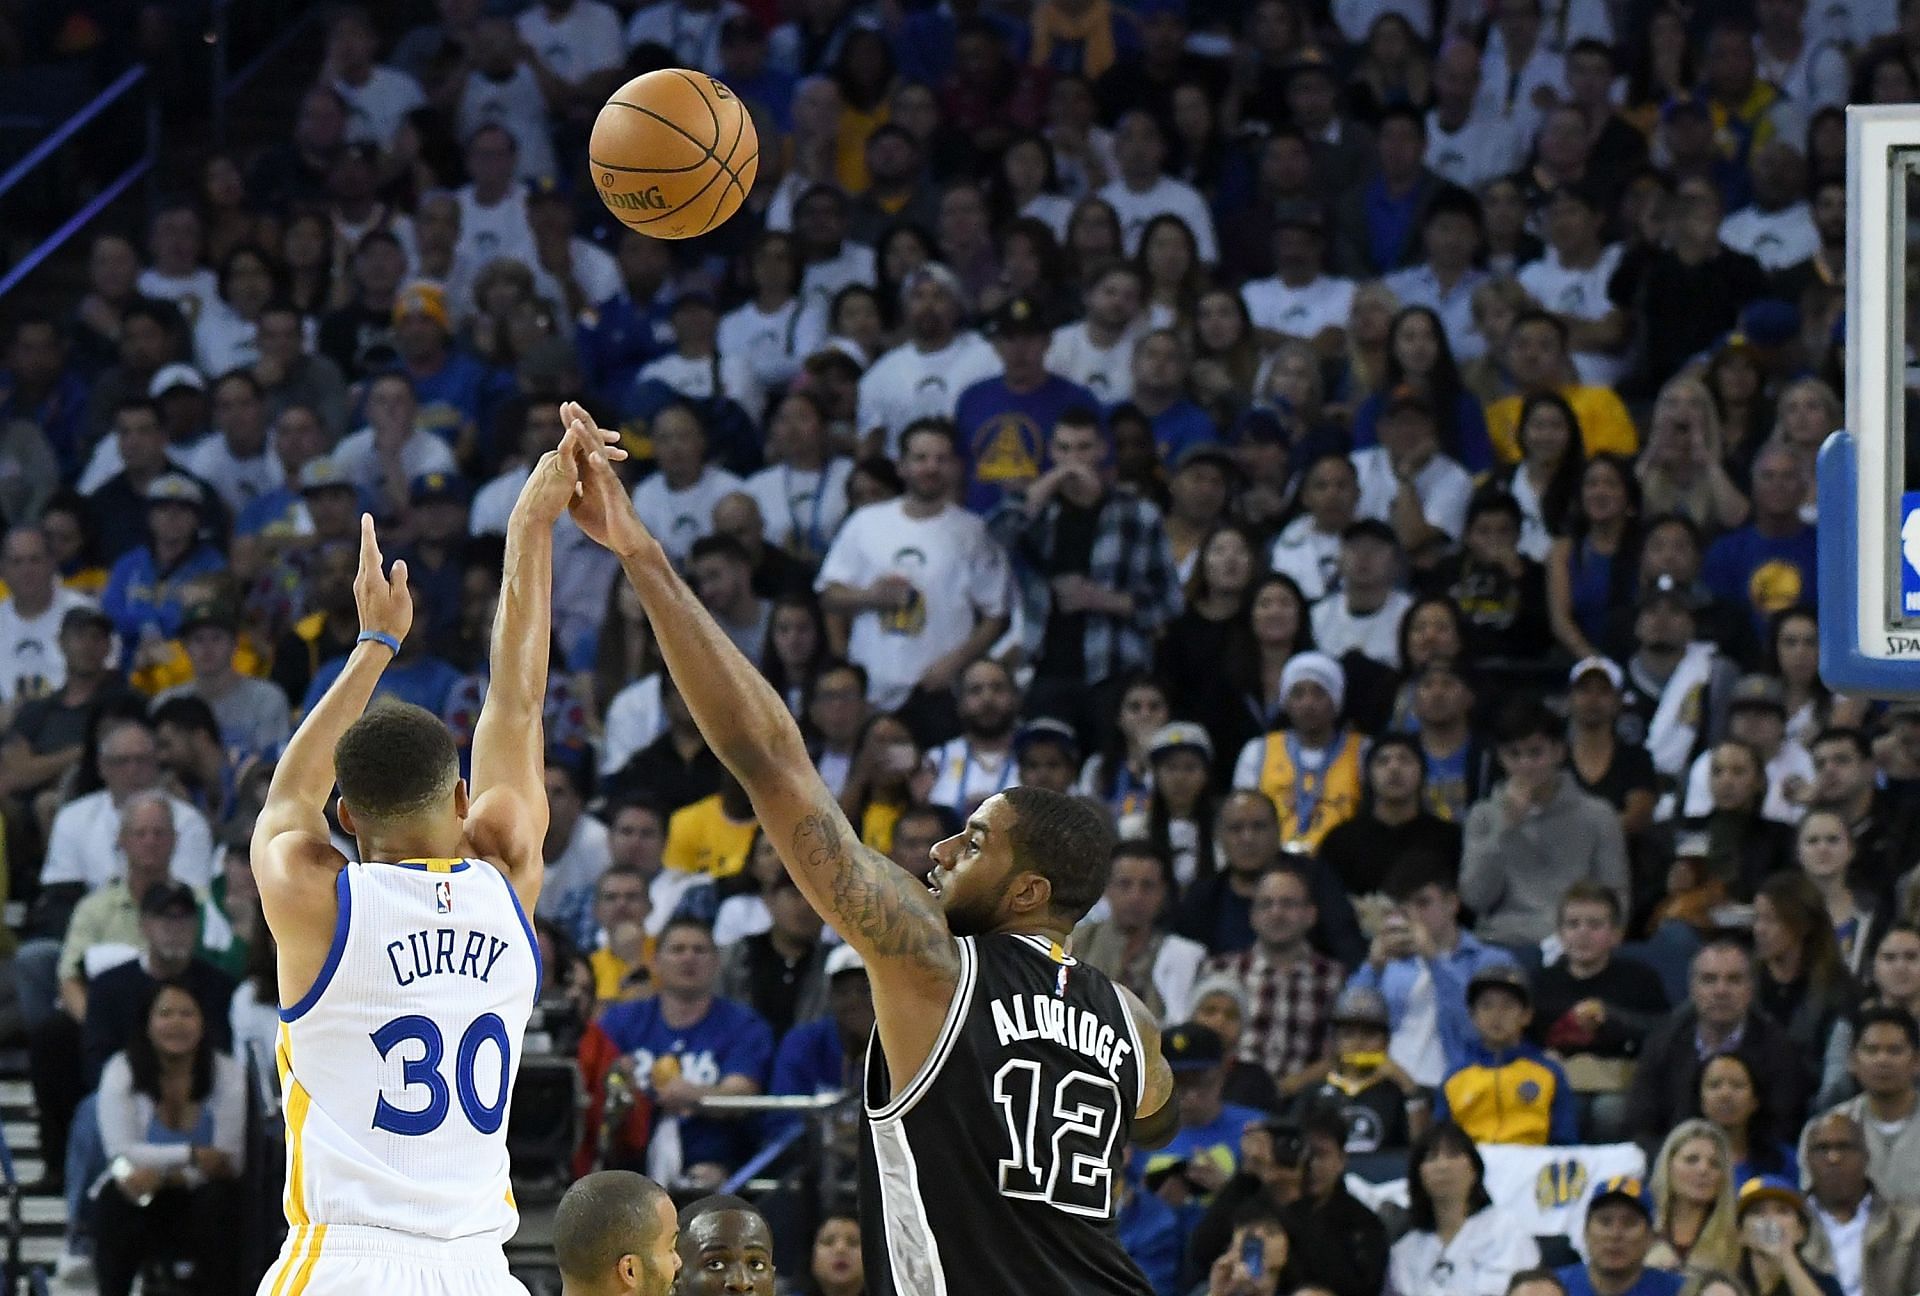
<point x="424" y="1072"/>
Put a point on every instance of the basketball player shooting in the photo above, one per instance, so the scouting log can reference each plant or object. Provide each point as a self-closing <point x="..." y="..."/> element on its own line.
<point x="1009" y="1078"/>
<point x="406" y="980"/>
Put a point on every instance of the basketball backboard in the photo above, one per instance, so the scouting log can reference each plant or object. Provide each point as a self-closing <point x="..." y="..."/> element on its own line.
<point x="1869" y="529"/>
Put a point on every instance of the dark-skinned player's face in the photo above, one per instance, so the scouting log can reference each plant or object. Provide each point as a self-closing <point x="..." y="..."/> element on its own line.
<point x="972" y="869"/>
<point x="726" y="1253"/>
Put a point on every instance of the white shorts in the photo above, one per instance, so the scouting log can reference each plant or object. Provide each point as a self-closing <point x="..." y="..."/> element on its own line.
<point x="354" y="1260"/>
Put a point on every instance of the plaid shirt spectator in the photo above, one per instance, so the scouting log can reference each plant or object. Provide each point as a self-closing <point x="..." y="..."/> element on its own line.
<point x="1288" y="1006"/>
<point x="1130" y="553"/>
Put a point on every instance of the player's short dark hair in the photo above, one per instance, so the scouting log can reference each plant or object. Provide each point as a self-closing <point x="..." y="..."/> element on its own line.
<point x="189" y="713"/>
<point x="1887" y="1015"/>
<point x="711" y="1205"/>
<point x="603" y="1217"/>
<point x="1065" y="840"/>
<point x="395" y="761"/>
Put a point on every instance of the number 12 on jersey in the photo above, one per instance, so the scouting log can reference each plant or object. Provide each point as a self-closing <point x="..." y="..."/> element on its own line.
<point x="1073" y="1128"/>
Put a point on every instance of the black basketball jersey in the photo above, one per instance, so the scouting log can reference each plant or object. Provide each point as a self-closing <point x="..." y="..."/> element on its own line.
<point x="994" y="1170"/>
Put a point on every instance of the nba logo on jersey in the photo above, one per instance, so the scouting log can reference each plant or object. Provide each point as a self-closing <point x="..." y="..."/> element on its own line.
<point x="443" y="895"/>
<point x="1910" y="552"/>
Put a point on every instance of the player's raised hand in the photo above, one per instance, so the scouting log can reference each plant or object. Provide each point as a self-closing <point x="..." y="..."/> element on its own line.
<point x="383" y="599"/>
<point x="603" y="509"/>
<point x="551" y="486"/>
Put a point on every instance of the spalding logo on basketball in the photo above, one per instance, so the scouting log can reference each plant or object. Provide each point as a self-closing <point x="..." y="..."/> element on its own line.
<point x="675" y="153"/>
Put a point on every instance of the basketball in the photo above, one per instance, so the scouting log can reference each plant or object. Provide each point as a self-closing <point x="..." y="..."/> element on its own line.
<point x="674" y="153"/>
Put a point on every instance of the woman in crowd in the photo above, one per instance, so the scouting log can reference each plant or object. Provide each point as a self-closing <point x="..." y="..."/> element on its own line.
<point x="743" y="910"/>
<point x="1226" y="352"/>
<point x="1307" y="550"/>
<point x="1178" y="819"/>
<point x="1504" y="210"/>
<point x="1277" y="627"/>
<point x="1169" y="262"/>
<point x="1783" y="1252"/>
<point x="1458" y="1243"/>
<point x="1684" y="467"/>
<point x="856" y="320"/>
<point x="1028" y="184"/>
<point x="866" y="76"/>
<point x="1793" y="657"/>
<point x="796" y="647"/>
<point x="1693" y="1200"/>
<point x="1367" y="367"/>
<point x="224" y="335"/>
<point x="1292" y="383"/>
<point x="1197" y="642"/>
<point x="1202" y="154"/>
<point x="1661" y="69"/>
<point x="1030" y="266"/>
<point x="1094" y="240"/>
<point x="1802" y="982"/>
<point x="623" y="688"/>
<point x="887" y="776"/>
<point x="1738" y="389"/>
<point x="1546" y="481"/>
<point x="1826" y="849"/>
<point x="1729" y="1097"/>
<point x="1592" y="567"/>
<point x="307" y="250"/>
<point x="904" y="248"/>
<point x="803" y="494"/>
<point x="1418" y="353"/>
<point x="1728" y="852"/>
<point x="835" y="1267"/>
<point x="229" y="219"/>
<point x="1895" y="983"/>
<point x="172" y="1112"/>
<point x="1394" y="70"/>
<point x="1120" y="775"/>
<point x="1434" y="629"/>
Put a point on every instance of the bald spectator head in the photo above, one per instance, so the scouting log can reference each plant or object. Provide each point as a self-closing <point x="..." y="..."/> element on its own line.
<point x="147" y="838"/>
<point x="737" y="516"/>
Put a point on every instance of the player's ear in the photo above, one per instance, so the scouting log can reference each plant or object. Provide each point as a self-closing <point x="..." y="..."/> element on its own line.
<point x="460" y="801"/>
<point x="1031" y="893"/>
<point x="345" y="815"/>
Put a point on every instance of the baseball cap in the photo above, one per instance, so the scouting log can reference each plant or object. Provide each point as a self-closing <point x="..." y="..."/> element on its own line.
<point x="1596" y="665"/>
<point x="1047" y="729"/>
<point x="844" y="958"/>
<point x="422" y="298"/>
<point x="1182" y="735"/>
<point x="169" y="899"/>
<point x="1769" y="1187"/>
<point x="1361" y="1006"/>
<point x="173" y="376"/>
<point x="437" y="488"/>
<point x="1758" y="692"/>
<point x="208" y="612"/>
<point x="1770" y="322"/>
<point x="175" y="488"/>
<point x="1192" y="1047"/>
<point x="323" y="474"/>
<point x="86" y="617"/>
<point x="1500" y="976"/>
<point x="1630" y="1189"/>
<point x="1018" y="317"/>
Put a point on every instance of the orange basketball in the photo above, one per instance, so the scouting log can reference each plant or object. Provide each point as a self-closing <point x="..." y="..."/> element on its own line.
<point x="673" y="153"/>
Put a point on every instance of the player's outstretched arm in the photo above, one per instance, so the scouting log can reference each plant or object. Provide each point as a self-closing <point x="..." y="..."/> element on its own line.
<point x="876" y="906"/>
<point x="294" y="862"/>
<point x="508" y="819"/>
<point x="1157" y="1118"/>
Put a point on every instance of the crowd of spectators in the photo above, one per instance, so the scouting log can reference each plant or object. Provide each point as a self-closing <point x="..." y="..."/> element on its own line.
<point x="1367" y="449"/>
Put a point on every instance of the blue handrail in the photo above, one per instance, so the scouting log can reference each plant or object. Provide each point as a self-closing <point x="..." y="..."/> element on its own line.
<point x="66" y="130"/>
<point x="73" y="225"/>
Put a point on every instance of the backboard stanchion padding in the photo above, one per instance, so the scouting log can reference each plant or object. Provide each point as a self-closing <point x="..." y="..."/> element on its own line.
<point x="1842" y="665"/>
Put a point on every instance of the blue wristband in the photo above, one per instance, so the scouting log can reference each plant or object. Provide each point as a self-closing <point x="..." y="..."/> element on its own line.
<point x="380" y="637"/>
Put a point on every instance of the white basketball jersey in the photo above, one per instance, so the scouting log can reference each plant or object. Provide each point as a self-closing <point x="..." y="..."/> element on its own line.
<point x="397" y="1068"/>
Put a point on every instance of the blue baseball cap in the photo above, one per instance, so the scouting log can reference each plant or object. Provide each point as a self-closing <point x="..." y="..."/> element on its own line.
<point x="438" y="488"/>
<point x="1630" y="1189"/>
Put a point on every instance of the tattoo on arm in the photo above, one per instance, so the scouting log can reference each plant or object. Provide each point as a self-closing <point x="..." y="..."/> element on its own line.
<point x="874" y="902"/>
